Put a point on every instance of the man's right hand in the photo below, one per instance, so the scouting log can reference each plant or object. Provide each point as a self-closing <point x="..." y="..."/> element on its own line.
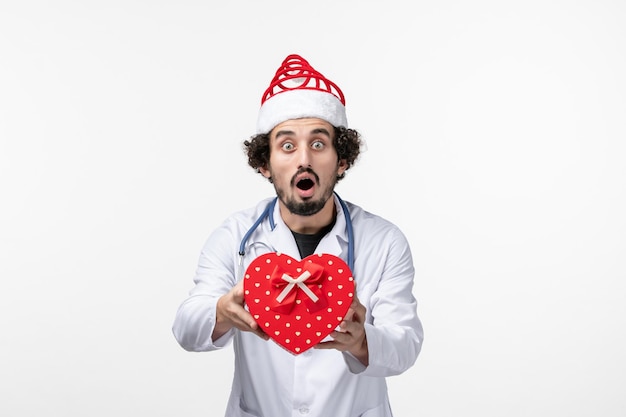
<point x="231" y="313"/>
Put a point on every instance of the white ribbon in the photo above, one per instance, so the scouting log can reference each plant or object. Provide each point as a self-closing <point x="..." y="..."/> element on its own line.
<point x="300" y="283"/>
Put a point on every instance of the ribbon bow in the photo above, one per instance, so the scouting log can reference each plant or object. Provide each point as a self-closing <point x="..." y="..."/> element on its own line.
<point x="287" y="288"/>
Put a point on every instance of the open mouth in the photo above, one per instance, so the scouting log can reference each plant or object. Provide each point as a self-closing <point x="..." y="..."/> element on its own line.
<point x="305" y="184"/>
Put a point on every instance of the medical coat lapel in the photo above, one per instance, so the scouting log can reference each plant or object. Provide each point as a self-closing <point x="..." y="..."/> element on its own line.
<point x="281" y="238"/>
<point x="335" y="243"/>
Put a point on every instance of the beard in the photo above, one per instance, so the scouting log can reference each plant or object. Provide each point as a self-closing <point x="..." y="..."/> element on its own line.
<point x="305" y="208"/>
<point x="308" y="207"/>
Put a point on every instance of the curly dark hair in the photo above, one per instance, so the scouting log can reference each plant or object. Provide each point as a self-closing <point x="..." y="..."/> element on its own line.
<point x="347" y="143"/>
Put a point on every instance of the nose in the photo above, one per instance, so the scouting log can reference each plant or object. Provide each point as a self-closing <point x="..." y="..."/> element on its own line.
<point x="304" y="157"/>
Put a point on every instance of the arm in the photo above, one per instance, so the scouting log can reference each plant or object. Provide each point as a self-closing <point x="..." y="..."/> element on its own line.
<point x="230" y="312"/>
<point x="351" y="337"/>
<point x="385" y="338"/>
<point x="393" y="331"/>
<point x="206" y="319"/>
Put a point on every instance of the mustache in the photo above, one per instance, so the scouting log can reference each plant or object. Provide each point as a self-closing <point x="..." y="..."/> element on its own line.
<point x="302" y="171"/>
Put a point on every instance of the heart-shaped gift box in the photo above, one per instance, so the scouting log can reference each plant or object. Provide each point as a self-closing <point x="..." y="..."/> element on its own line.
<point x="298" y="303"/>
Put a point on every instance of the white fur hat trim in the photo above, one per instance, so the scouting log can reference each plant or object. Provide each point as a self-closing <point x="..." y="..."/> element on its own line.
<point x="299" y="104"/>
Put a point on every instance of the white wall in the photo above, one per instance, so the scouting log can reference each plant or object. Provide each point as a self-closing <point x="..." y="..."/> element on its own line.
<point x="496" y="140"/>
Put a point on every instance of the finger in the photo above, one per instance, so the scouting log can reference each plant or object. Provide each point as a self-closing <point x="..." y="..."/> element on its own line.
<point x="327" y="345"/>
<point x="250" y="323"/>
<point x="349" y="314"/>
<point x="242" y="323"/>
<point x="348" y="326"/>
<point x="353" y="329"/>
<point x="359" y="310"/>
<point x="341" y="338"/>
<point x="356" y="304"/>
<point x="340" y="342"/>
<point x="237" y="292"/>
<point x="260" y="333"/>
<point x="245" y="322"/>
<point x="239" y="316"/>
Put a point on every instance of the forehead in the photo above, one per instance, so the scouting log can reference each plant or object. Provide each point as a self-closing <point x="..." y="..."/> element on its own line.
<point x="303" y="127"/>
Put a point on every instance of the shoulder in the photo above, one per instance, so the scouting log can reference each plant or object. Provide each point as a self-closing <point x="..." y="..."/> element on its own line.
<point x="368" y="219"/>
<point x="250" y="214"/>
<point x="371" y="227"/>
<point x="240" y="221"/>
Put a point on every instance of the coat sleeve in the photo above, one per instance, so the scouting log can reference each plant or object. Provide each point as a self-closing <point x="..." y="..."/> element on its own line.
<point x="215" y="276"/>
<point x="393" y="329"/>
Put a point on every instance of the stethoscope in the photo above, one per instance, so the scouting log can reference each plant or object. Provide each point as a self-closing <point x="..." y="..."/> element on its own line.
<point x="269" y="213"/>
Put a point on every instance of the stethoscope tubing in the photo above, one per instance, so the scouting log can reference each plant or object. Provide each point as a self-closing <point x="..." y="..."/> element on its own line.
<point x="269" y="213"/>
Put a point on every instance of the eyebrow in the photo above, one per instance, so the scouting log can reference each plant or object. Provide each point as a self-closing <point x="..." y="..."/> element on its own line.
<point x="313" y="132"/>
<point x="321" y="130"/>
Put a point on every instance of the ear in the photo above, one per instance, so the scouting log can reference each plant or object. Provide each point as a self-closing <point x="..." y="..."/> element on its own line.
<point x="265" y="172"/>
<point x="342" y="166"/>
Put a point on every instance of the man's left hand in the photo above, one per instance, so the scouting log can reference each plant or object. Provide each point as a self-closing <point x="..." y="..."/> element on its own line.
<point x="351" y="334"/>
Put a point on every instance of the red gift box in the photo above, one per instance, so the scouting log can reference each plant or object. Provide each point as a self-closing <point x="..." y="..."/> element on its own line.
<point x="298" y="303"/>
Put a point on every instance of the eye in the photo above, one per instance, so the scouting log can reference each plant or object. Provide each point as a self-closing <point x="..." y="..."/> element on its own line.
<point x="287" y="146"/>
<point x="318" y="145"/>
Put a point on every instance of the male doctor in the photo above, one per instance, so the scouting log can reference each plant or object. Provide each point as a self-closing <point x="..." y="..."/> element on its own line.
<point x="303" y="146"/>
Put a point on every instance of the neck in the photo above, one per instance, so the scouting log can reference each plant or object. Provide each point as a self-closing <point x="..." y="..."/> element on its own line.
<point x="309" y="224"/>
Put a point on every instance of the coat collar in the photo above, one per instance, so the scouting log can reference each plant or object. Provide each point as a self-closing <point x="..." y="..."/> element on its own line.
<point x="335" y="242"/>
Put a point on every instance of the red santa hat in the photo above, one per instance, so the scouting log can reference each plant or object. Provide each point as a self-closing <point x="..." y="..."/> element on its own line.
<point x="298" y="91"/>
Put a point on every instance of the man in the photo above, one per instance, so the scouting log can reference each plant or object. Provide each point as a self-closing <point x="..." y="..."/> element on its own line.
<point x="303" y="146"/>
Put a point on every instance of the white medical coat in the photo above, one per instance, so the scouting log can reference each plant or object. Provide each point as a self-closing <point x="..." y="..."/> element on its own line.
<point x="268" y="380"/>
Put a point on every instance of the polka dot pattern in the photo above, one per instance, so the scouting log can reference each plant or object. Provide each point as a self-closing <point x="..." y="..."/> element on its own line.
<point x="301" y="328"/>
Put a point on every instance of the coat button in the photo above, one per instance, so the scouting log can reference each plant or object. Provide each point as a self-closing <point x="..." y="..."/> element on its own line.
<point x="304" y="410"/>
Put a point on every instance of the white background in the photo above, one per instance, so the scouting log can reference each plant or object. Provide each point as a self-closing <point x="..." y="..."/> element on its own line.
<point x="495" y="139"/>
